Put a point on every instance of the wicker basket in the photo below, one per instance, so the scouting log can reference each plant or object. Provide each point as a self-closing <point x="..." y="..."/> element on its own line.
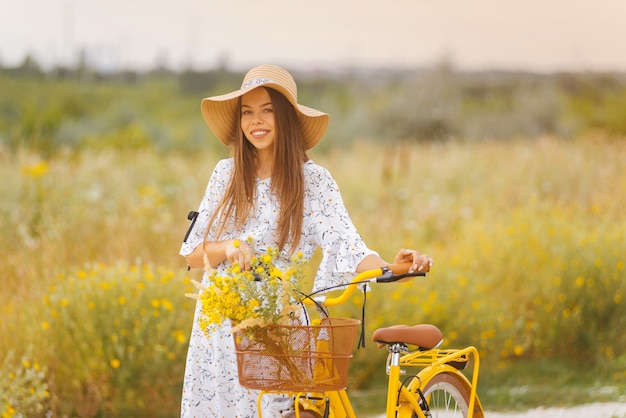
<point x="297" y="358"/>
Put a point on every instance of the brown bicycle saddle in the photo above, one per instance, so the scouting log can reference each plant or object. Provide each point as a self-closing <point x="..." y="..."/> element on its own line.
<point x="425" y="336"/>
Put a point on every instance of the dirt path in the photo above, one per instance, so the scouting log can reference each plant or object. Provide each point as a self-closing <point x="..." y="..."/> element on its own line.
<point x="597" y="410"/>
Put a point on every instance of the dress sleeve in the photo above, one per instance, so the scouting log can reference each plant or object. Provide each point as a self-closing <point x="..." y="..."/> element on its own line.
<point x="212" y="196"/>
<point x="342" y="246"/>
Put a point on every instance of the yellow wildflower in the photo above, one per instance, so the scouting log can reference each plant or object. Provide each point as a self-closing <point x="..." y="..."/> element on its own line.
<point x="35" y="170"/>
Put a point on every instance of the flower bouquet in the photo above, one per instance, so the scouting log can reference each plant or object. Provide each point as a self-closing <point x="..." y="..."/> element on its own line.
<point x="254" y="298"/>
<point x="276" y="348"/>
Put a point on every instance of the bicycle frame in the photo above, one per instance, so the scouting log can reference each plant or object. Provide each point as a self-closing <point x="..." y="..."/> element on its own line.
<point x="403" y="401"/>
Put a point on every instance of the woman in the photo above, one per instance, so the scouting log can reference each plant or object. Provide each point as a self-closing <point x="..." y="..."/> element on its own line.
<point x="271" y="192"/>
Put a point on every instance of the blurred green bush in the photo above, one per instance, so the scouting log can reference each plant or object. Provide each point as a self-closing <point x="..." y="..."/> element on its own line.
<point x="50" y="112"/>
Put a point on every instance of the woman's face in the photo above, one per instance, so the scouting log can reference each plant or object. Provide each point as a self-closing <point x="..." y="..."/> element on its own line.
<point x="257" y="119"/>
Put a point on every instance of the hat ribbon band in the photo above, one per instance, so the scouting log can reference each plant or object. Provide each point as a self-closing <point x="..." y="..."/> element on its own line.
<point x="256" y="82"/>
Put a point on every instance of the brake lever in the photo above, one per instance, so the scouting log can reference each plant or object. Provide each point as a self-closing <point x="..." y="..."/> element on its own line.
<point x="389" y="276"/>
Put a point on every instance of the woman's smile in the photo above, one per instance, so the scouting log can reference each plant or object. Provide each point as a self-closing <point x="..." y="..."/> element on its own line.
<point x="259" y="133"/>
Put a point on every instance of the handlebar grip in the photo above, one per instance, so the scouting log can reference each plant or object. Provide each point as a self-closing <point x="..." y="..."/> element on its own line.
<point x="396" y="272"/>
<point x="401" y="268"/>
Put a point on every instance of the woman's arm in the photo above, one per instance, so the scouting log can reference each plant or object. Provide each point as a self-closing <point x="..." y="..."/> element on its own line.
<point x="421" y="262"/>
<point x="371" y="262"/>
<point x="233" y="250"/>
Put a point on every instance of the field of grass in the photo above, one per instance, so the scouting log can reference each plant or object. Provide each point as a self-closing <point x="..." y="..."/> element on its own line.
<point x="528" y="237"/>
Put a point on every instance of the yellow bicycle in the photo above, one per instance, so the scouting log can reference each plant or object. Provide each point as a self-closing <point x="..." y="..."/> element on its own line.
<point x="309" y="364"/>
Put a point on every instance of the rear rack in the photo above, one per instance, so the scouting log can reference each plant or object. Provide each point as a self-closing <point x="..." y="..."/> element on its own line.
<point x="455" y="358"/>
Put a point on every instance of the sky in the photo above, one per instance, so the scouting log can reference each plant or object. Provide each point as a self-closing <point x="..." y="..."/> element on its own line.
<point x="532" y="35"/>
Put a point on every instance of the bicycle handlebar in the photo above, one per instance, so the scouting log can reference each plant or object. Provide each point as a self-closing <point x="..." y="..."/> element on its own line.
<point x="389" y="274"/>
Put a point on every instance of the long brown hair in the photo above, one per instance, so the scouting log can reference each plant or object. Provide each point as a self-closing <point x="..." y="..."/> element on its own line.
<point x="287" y="181"/>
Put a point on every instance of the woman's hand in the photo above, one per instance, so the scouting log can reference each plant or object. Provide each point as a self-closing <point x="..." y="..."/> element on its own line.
<point x="239" y="252"/>
<point x="421" y="262"/>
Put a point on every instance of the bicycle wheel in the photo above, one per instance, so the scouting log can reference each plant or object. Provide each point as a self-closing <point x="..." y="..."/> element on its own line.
<point x="447" y="397"/>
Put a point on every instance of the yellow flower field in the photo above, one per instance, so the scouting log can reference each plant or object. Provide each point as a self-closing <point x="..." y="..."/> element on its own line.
<point x="528" y="237"/>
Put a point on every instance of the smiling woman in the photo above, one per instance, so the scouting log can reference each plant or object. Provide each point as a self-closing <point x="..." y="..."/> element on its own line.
<point x="268" y="195"/>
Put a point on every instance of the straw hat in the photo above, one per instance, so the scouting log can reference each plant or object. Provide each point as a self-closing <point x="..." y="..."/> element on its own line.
<point x="220" y="112"/>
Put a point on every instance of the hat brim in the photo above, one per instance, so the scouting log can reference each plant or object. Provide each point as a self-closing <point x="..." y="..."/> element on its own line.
<point x="219" y="113"/>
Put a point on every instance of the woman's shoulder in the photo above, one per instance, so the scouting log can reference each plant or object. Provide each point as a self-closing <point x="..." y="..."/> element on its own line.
<point x="224" y="166"/>
<point x="221" y="172"/>
<point x="312" y="168"/>
<point x="317" y="174"/>
<point x="225" y="163"/>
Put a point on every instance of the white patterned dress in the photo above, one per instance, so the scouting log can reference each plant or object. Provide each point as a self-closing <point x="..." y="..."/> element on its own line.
<point x="211" y="387"/>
